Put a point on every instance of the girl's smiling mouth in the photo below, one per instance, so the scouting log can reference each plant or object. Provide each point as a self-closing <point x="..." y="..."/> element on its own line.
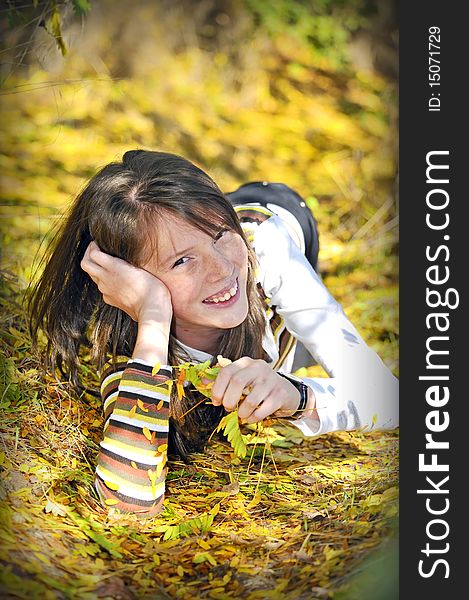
<point x="224" y="297"/>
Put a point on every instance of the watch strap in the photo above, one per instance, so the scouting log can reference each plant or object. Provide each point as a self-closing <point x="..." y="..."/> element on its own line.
<point x="302" y="388"/>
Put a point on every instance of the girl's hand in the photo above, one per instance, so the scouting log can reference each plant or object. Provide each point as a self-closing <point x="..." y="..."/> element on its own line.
<point x="266" y="392"/>
<point x="135" y="291"/>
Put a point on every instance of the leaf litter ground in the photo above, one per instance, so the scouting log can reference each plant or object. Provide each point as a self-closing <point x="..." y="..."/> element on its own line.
<point x="289" y="520"/>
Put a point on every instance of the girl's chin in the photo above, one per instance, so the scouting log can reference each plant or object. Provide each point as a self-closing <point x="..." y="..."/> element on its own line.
<point x="213" y="319"/>
<point x="230" y="316"/>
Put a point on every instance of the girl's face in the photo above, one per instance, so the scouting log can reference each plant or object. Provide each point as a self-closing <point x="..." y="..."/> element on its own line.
<point x="206" y="277"/>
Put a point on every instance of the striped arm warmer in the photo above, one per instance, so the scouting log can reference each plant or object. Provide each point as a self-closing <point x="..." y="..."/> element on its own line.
<point x="131" y="463"/>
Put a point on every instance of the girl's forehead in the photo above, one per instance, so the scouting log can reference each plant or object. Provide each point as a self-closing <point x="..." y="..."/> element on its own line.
<point x="174" y="231"/>
<point x="171" y="236"/>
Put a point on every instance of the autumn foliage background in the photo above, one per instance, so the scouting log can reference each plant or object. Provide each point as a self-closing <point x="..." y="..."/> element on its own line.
<point x="303" y="93"/>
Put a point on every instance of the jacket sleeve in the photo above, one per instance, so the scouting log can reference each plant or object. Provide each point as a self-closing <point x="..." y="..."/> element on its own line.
<point x="131" y="470"/>
<point x="361" y="392"/>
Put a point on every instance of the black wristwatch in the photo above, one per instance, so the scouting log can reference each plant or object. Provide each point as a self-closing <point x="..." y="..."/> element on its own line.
<point x="302" y="388"/>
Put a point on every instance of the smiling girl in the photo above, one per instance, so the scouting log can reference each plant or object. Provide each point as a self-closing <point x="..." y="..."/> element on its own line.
<point x="153" y="264"/>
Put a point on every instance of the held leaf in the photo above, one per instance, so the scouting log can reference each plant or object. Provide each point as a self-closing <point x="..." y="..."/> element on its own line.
<point x="230" y="426"/>
<point x="195" y="373"/>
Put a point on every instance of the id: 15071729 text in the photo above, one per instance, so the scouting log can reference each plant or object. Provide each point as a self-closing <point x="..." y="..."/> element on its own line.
<point x="434" y="75"/>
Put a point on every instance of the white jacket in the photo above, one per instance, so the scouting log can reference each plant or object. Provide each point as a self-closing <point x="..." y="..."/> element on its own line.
<point x="360" y="392"/>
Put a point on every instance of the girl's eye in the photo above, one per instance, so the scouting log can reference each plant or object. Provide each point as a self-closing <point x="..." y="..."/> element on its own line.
<point x="181" y="261"/>
<point x="220" y="234"/>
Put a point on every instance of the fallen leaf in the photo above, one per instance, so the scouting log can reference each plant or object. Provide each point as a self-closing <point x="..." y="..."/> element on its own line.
<point x="54" y="508"/>
<point x="255" y="501"/>
<point x="114" y="588"/>
<point x="201" y="557"/>
<point x="231" y="488"/>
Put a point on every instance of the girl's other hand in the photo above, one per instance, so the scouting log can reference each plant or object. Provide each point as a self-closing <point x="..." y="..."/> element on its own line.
<point x="135" y="291"/>
<point x="265" y="391"/>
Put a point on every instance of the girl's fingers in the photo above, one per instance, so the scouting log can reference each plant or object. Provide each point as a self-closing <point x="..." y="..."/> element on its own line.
<point x="257" y="401"/>
<point x="92" y="248"/>
<point x="232" y="380"/>
<point x="94" y="272"/>
<point x="269" y="406"/>
<point x="102" y="267"/>
<point x="100" y="260"/>
<point x="253" y="379"/>
<point x="264" y="391"/>
<point x="88" y="262"/>
<point x="222" y="381"/>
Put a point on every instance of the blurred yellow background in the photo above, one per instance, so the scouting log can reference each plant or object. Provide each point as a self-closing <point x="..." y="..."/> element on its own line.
<point x="302" y="93"/>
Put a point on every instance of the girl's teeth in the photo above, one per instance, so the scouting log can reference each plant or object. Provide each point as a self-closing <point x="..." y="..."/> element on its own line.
<point x="226" y="296"/>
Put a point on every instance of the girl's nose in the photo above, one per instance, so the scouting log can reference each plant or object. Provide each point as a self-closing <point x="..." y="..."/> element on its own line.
<point x="220" y="266"/>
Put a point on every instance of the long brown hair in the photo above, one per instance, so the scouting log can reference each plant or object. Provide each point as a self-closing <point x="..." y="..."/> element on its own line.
<point x="118" y="206"/>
